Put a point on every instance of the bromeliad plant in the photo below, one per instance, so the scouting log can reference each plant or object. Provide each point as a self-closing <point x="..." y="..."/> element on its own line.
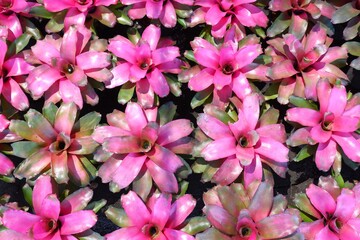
<point x="295" y="15"/>
<point x="330" y="211"/>
<point x="76" y="12"/>
<point x="54" y="141"/>
<point x="225" y="69"/>
<point x="142" y="65"/>
<point x="52" y="219"/>
<point x="300" y="64"/>
<point x="13" y="70"/>
<point x="220" y="14"/>
<point x="166" y="11"/>
<point x="12" y="14"/>
<point x="237" y="213"/>
<point x="5" y="233"/>
<point x="331" y="127"/>
<point x="65" y="65"/>
<point x="158" y="218"/>
<point x="144" y="145"/>
<point x="248" y="140"/>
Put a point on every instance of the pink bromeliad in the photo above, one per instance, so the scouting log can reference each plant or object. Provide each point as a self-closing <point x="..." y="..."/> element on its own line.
<point x="13" y="71"/>
<point x="248" y="143"/>
<point x="143" y="148"/>
<point x="52" y="219"/>
<point x="238" y="214"/>
<point x="158" y="218"/>
<point x="226" y="68"/>
<point x="64" y="66"/>
<point x="220" y="14"/>
<point x="10" y="10"/>
<point x="164" y="10"/>
<point x="59" y="143"/>
<point x="334" y="211"/>
<point x="331" y="126"/>
<point x="144" y="63"/>
<point x="295" y="15"/>
<point x="78" y="10"/>
<point x="299" y="64"/>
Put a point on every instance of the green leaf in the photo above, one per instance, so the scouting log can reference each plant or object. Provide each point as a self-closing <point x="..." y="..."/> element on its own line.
<point x="7" y="109"/>
<point x="175" y="86"/>
<point x="355" y="63"/>
<point x="27" y="192"/>
<point x="270" y="116"/>
<point x="22" y="129"/>
<point x="305" y="217"/>
<point x="272" y="91"/>
<point x="305" y="152"/>
<point x="353" y="48"/>
<point x="33" y="165"/>
<point x="40" y="11"/>
<point x="199" y="146"/>
<point x="263" y="59"/>
<point x="352" y="28"/>
<point x="210" y="234"/>
<point x="260" y="32"/>
<point x="96" y="206"/>
<point x="89" y="235"/>
<point x="87" y="122"/>
<point x="133" y="35"/>
<point x="123" y="18"/>
<point x="113" y="187"/>
<point x="196" y="225"/>
<point x="7" y="179"/>
<point x="201" y="97"/>
<point x="248" y="40"/>
<point x="327" y="25"/>
<point x="301" y="102"/>
<point x="184" y="12"/>
<point x="218" y="113"/>
<point x="190" y="55"/>
<point x="303" y="203"/>
<point x="199" y="166"/>
<point x="281" y="23"/>
<point x="19" y="44"/>
<point x="117" y="216"/>
<point x="31" y="29"/>
<point x="182" y="22"/>
<point x="210" y="171"/>
<point x="40" y="125"/>
<point x="183" y="187"/>
<point x="56" y="23"/>
<point x="339" y="179"/>
<point x="100" y="155"/>
<point x="89" y="167"/>
<point x="184" y="171"/>
<point x="340" y="63"/>
<point x="49" y="112"/>
<point x="166" y="113"/>
<point x="126" y="92"/>
<point x="344" y="13"/>
<point x="142" y="185"/>
<point x="24" y="149"/>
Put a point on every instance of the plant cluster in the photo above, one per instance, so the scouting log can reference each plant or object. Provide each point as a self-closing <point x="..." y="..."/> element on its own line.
<point x="264" y="79"/>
